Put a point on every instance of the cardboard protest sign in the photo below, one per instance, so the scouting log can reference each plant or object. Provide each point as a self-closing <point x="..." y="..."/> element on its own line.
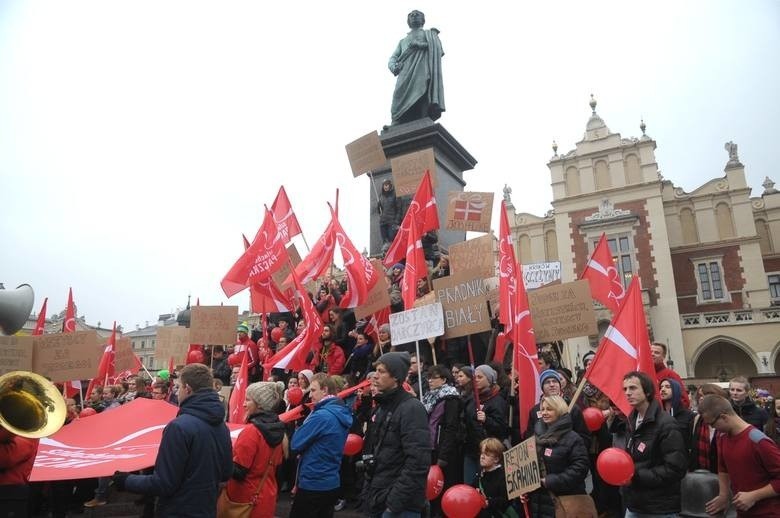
<point x="409" y="169"/>
<point x="464" y="300"/>
<point x="366" y="154"/>
<point x="491" y="286"/>
<point x="213" y="325"/>
<point x="521" y="469"/>
<point x="475" y="256"/>
<point x="562" y="311"/>
<point x="470" y="211"/>
<point x="416" y="324"/>
<point x="536" y="275"/>
<point x="284" y="271"/>
<point x="124" y="358"/>
<point x="428" y="298"/>
<point x="172" y="341"/>
<point x="378" y="298"/>
<point x="16" y="353"/>
<point x="67" y="356"/>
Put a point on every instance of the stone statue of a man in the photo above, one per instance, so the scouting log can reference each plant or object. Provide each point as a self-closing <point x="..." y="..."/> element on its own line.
<point x="419" y="90"/>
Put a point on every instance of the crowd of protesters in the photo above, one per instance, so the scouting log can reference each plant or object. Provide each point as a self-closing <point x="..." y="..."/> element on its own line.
<point x="446" y="403"/>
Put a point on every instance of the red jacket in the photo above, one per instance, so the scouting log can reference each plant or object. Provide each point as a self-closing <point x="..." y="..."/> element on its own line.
<point x="240" y="349"/>
<point x="333" y="360"/>
<point x="17" y="455"/>
<point x="663" y="372"/>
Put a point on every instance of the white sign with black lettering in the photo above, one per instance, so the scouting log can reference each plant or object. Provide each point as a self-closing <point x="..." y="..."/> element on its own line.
<point x="537" y="275"/>
<point x="417" y="324"/>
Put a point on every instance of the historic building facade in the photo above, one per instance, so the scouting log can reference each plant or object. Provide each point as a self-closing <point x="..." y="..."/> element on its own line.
<point x="706" y="260"/>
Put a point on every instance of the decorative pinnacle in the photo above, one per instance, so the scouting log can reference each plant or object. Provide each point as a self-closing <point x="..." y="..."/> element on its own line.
<point x="555" y="147"/>
<point x="642" y="126"/>
<point x="593" y="104"/>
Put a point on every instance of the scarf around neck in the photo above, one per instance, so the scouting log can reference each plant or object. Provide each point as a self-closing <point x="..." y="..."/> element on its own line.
<point x="432" y="397"/>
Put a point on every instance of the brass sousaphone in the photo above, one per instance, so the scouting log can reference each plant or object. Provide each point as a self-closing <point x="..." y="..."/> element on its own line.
<point x="30" y="405"/>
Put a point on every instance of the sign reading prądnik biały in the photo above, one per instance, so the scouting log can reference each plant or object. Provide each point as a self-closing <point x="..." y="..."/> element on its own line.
<point x="417" y="324"/>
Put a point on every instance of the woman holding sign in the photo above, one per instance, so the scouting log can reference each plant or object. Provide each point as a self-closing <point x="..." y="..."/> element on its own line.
<point x="563" y="463"/>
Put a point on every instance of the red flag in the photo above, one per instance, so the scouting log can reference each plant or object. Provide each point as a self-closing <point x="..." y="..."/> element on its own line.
<point x="293" y="356"/>
<point x="264" y="256"/>
<point x="424" y="211"/>
<point x="236" y="412"/>
<point x="624" y="348"/>
<point x="507" y="281"/>
<point x="415" y="266"/>
<point x="361" y="274"/>
<point x="106" y="367"/>
<point x="69" y="324"/>
<point x="265" y="295"/>
<point x="606" y="286"/>
<point x="319" y="258"/>
<point x="171" y="366"/>
<point x="284" y="217"/>
<point x="525" y="354"/>
<point x="377" y="320"/>
<point x="40" y="325"/>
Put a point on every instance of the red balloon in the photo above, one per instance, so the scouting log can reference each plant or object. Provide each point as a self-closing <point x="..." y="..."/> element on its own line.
<point x="435" y="482"/>
<point x="615" y="466"/>
<point x="88" y="411"/>
<point x="354" y="444"/>
<point x="594" y="418"/>
<point x="294" y="396"/>
<point x="276" y="334"/>
<point x="462" y="501"/>
<point x="195" y="356"/>
<point x="234" y="360"/>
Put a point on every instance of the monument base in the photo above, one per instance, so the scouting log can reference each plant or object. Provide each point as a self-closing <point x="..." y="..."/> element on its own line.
<point x="452" y="160"/>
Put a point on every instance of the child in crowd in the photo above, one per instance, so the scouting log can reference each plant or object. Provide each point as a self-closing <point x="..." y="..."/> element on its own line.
<point x="491" y="482"/>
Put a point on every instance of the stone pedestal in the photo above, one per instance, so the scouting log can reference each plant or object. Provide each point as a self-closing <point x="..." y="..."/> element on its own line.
<point x="452" y="160"/>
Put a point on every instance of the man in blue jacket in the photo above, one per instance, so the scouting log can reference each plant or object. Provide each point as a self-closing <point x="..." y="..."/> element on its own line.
<point x="320" y="443"/>
<point x="195" y="453"/>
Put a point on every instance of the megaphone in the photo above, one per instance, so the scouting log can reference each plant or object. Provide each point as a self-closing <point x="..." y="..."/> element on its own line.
<point x="15" y="308"/>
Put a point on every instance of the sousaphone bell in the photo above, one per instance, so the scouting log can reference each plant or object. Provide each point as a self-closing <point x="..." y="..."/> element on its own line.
<point x="30" y="405"/>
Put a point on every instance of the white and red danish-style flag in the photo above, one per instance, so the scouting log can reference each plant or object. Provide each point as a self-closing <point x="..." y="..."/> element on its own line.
<point x="606" y="286"/>
<point x="624" y="348"/>
<point x="264" y="256"/>
<point x="525" y="356"/>
<point x="236" y="411"/>
<point x="415" y="266"/>
<point x="284" y="217"/>
<point x="293" y="356"/>
<point x="40" y="324"/>
<point x="361" y="274"/>
<point x="507" y="283"/>
<point x="107" y="367"/>
<point x="425" y="213"/>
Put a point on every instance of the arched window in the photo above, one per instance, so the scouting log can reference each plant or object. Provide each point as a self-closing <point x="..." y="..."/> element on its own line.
<point x="688" y="225"/>
<point x="765" y="239"/>
<point x="602" y="176"/>
<point x="633" y="171"/>
<point x="724" y="221"/>
<point x="524" y="245"/>
<point x="572" y="178"/>
<point x="551" y="245"/>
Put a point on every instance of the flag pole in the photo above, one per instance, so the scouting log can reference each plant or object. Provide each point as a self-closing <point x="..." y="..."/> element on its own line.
<point x="419" y="369"/>
<point x="151" y="378"/>
<point x="577" y="393"/>
<point x="473" y="375"/>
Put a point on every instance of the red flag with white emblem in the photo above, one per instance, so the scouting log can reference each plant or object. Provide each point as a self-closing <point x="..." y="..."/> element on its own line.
<point x="40" y="324"/>
<point x="415" y="266"/>
<point x="319" y="259"/>
<point x="106" y="367"/>
<point x="507" y="281"/>
<point x="525" y="354"/>
<point x="265" y="295"/>
<point x="606" y="286"/>
<point x="236" y="411"/>
<point x="69" y="326"/>
<point x="361" y="274"/>
<point x="423" y="211"/>
<point x="284" y="217"/>
<point x="624" y="348"/>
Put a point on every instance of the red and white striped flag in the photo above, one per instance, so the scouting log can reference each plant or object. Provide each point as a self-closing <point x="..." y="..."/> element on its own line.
<point x="606" y="286"/>
<point x="236" y="411"/>
<point x="284" y="217"/>
<point x="423" y="211"/>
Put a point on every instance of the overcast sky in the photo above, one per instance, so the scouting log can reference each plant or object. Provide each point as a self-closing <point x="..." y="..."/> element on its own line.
<point x="138" y="140"/>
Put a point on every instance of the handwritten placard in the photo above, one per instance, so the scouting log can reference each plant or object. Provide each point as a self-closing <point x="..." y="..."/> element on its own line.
<point x="475" y="256"/>
<point x="409" y="169"/>
<point x="464" y="301"/>
<point x="366" y="154"/>
<point x="470" y="211"/>
<point x="215" y="325"/>
<point x="536" y="275"/>
<point x="521" y="469"/>
<point x="416" y="324"/>
<point x="124" y="358"/>
<point x="172" y="342"/>
<point x="378" y="298"/>
<point x="67" y="356"/>
<point x="562" y="311"/>
<point x="16" y="353"/>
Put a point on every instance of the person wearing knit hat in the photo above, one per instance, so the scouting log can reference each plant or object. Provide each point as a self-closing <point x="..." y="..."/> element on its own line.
<point x="243" y="327"/>
<point x="399" y="443"/>
<point x="489" y="373"/>
<point x="489" y="419"/>
<point x="304" y="383"/>
<point x="245" y="346"/>
<point x="587" y="358"/>
<point x="550" y="380"/>
<point x="260" y="446"/>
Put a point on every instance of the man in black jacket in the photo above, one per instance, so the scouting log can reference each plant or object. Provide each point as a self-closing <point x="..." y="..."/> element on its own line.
<point x="397" y="451"/>
<point x="745" y="407"/>
<point x="655" y="444"/>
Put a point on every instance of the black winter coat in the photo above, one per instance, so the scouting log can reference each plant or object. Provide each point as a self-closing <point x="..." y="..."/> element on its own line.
<point x="495" y="424"/>
<point x="660" y="462"/>
<point x="752" y="413"/>
<point x="445" y="440"/>
<point x="577" y="423"/>
<point x="399" y="439"/>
